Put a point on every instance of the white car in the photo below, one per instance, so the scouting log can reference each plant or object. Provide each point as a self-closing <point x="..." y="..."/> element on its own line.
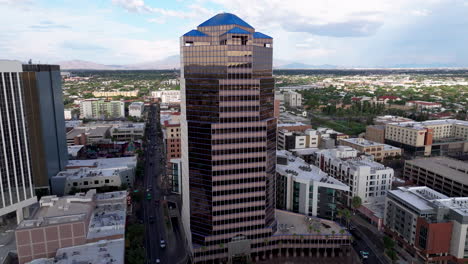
<point x="163" y="243"/>
<point x="158" y="261"/>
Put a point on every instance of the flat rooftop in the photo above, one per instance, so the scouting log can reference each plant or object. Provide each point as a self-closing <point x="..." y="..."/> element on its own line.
<point x="101" y="252"/>
<point x="428" y="123"/>
<point x="453" y="169"/>
<point x="304" y="171"/>
<point x="103" y="163"/>
<point x="98" y="131"/>
<point x="368" y="143"/>
<point x="107" y="212"/>
<point x="73" y="150"/>
<point x="290" y="223"/>
<point x="291" y="124"/>
<point x="88" y="172"/>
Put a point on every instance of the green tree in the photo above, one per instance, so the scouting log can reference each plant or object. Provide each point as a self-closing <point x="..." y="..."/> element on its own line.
<point x="356" y="202"/>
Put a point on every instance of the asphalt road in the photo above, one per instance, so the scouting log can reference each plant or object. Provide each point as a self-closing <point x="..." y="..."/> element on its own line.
<point x="153" y="214"/>
<point x="154" y="221"/>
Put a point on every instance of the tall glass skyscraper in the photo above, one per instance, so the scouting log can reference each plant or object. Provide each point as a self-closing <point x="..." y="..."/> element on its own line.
<point x="16" y="183"/>
<point x="42" y="85"/>
<point x="228" y="135"/>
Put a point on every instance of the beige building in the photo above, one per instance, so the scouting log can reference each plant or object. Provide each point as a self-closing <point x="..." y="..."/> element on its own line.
<point x="375" y="133"/>
<point x="133" y="93"/>
<point x="429" y="137"/>
<point x="445" y="175"/>
<point x="378" y="150"/>
<point x="62" y="222"/>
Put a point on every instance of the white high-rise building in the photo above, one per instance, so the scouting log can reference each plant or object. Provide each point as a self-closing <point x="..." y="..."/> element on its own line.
<point x="16" y="184"/>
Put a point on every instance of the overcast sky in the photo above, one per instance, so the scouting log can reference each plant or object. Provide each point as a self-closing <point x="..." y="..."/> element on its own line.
<point x="338" y="32"/>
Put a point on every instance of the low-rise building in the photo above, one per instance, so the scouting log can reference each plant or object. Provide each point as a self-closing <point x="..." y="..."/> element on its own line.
<point x="304" y="188"/>
<point x="423" y="104"/>
<point x="76" y="152"/>
<point x="428" y="223"/>
<point x="88" y="135"/>
<point x="443" y="174"/>
<point x="127" y="131"/>
<point x="167" y="96"/>
<point x="380" y="151"/>
<point x="63" y="222"/>
<point x="289" y="140"/>
<point x="136" y="109"/>
<point x="432" y="137"/>
<point x="386" y="119"/>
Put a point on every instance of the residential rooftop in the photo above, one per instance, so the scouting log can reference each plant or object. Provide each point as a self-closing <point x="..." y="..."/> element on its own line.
<point x="101" y="252"/>
<point x="453" y="169"/>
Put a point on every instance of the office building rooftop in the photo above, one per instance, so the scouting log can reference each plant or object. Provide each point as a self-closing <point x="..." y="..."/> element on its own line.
<point x="103" y="163"/>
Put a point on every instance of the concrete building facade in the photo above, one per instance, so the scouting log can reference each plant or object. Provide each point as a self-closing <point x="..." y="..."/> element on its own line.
<point x="293" y="99"/>
<point x="167" y="96"/>
<point x="428" y="223"/>
<point x="16" y="185"/>
<point x="433" y="137"/>
<point x="136" y="109"/>
<point x="304" y="188"/>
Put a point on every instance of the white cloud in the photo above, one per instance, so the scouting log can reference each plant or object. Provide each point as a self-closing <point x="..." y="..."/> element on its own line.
<point x="50" y="35"/>
<point x="421" y="12"/>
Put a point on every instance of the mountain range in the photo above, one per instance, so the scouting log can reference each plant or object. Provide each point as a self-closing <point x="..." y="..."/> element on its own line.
<point x="173" y="62"/>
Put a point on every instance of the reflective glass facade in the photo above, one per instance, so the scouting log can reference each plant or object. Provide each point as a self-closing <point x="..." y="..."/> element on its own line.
<point x="229" y="131"/>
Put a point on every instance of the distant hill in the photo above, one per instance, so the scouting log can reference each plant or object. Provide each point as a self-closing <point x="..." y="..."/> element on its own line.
<point x="173" y="62"/>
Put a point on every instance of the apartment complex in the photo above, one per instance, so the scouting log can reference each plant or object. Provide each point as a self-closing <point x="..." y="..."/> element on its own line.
<point x="433" y="137"/>
<point x="304" y="188"/>
<point x="167" y="96"/>
<point x="16" y="185"/>
<point x="428" y="223"/>
<point x="68" y="221"/>
<point x="136" y="109"/>
<point x="133" y="93"/>
<point x="445" y="175"/>
<point x="378" y="150"/>
<point x="45" y="121"/>
<point x="101" y="109"/>
<point x="293" y="99"/>
<point x="297" y="140"/>
<point x="366" y="178"/>
<point x="229" y="146"/>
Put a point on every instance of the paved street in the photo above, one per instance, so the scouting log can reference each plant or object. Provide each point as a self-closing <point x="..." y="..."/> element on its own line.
<point x="157" y="227"/>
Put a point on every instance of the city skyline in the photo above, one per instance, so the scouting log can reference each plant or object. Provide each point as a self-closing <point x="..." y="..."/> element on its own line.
<point x="354" y="34"/>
